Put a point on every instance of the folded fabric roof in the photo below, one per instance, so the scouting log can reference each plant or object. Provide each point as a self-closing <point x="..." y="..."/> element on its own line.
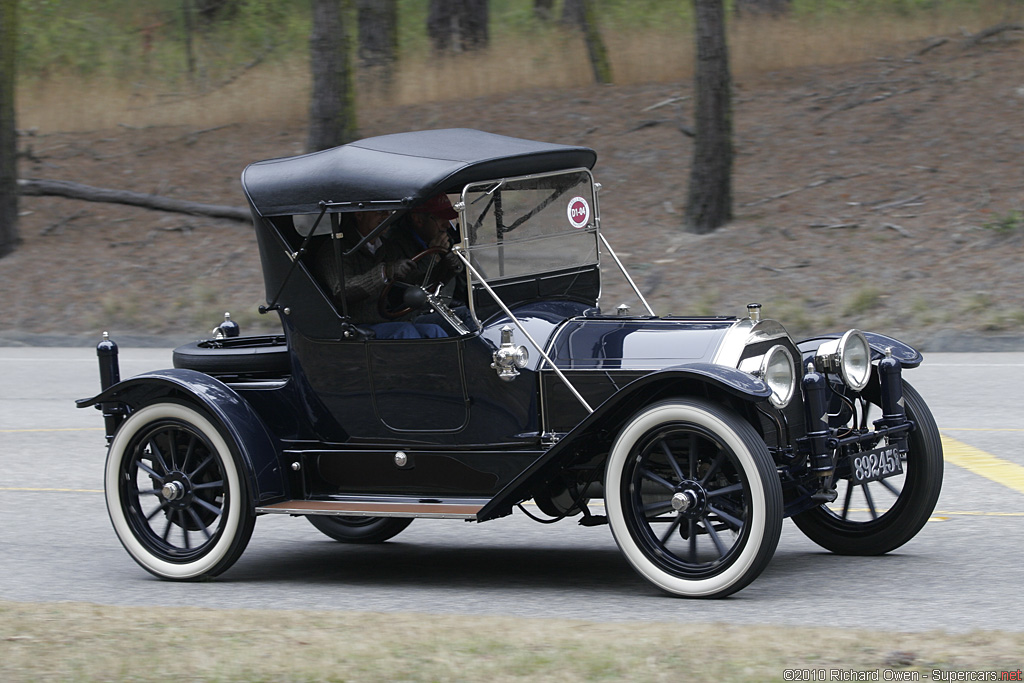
<point x="400" y="170"/>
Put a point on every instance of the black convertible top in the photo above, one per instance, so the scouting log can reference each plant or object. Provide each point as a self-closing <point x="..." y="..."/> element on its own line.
<point x="400" y="170"/>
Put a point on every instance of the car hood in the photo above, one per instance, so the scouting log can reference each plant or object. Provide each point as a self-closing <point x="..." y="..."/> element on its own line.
<point x="637" y="343"/>
<point x="584" y="341"/>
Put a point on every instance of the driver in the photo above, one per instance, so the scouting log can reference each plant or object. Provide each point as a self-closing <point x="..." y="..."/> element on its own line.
<point x="367" y="271"/>
<point x="429" y="226"/>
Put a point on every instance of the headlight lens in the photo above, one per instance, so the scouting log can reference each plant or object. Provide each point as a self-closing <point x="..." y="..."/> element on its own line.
<point x="850" y="356"/>
<point x="779" y="373"/>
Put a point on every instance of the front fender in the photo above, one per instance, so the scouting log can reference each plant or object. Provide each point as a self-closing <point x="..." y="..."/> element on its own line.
<point x="594" y="435"/>
<point x="907" y="355"/>
<point x="256" y="446"/>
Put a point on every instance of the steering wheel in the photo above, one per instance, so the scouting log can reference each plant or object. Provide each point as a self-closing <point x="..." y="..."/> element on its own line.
<point x="430" y="280"/>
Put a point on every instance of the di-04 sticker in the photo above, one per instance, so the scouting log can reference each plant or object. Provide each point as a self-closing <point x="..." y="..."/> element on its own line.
<point x="578" y="212"/>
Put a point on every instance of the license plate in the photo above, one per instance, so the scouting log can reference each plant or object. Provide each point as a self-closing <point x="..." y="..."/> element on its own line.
<point x="876" y="464"/>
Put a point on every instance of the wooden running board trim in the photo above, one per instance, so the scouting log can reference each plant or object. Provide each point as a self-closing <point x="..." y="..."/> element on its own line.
<point x="375" y="508"/>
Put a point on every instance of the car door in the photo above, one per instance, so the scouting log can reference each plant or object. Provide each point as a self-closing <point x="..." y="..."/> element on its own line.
<point x="418" y="385"/>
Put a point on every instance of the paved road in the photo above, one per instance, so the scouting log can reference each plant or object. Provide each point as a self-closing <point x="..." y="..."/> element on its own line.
<point x="962" y="572"/>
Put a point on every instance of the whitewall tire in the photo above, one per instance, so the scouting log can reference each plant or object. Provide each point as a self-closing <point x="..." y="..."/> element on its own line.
<point x="175" y="493"/>
<point x="693" y="498"/>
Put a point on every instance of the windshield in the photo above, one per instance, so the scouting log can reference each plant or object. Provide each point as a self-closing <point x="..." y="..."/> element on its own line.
<point x="530" y="225"/>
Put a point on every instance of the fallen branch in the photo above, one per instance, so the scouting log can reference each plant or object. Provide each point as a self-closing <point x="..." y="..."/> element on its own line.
<point x="671" y="100"/>
<point x="984" y="33"/>
<point x="869" y="100"/>
<point x="59" y="225"/>
<point x="834" y="226"/>
<point x="898" y="228"/>
<point x="932" y="44"/>
<point x="816" y="183"/>
<point x="650" y="123"/>
<point x="907" y="201"/>
<point x="64" y="188"/>
<point x="190" y="139"/>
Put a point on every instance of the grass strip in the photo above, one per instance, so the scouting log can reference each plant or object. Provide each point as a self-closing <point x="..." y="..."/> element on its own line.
<point x="87" y="642"/>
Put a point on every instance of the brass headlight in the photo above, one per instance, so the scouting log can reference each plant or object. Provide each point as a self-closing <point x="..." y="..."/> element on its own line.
<point x="850" y="356"/>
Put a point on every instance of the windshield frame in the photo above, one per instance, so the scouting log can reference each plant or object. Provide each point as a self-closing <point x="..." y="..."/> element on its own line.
<point x="593" y="228"/>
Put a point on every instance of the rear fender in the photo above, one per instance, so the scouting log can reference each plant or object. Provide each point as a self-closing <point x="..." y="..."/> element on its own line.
<point x="595" y="434"/>
<point x="234" y="415"/>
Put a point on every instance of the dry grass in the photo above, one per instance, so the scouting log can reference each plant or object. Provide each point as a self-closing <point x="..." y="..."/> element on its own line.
<point x="551" y="59"/>
<point x="82" y="643"/>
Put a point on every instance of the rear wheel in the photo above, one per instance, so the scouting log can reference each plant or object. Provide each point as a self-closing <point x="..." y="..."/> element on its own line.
<point x="879" y="516"/>
<point x="693" y="498"/>
<point x="176" y="493"/>
<point x="348" y="529"/>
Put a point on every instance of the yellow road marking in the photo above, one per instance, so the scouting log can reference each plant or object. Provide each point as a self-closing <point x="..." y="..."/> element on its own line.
<point x="54" y="429"/>
<point x="981" y="463"/>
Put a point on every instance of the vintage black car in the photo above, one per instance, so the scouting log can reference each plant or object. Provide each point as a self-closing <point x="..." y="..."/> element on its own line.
<point x="692" y="437"/>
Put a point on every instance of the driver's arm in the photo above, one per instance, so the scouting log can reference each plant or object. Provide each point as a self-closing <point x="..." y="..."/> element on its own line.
<point x="371" y="283"/>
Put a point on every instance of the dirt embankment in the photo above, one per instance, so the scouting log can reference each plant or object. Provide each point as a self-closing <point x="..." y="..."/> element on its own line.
<point x="884" y="195"/>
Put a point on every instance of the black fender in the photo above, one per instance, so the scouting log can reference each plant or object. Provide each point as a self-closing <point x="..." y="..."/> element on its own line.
<point x="907" y="355"/>
<point x="257" y="448"/>
<point x="595" y="434"/>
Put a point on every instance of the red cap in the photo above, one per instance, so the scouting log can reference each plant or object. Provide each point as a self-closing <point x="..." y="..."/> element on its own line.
<point x="439" y="205"/>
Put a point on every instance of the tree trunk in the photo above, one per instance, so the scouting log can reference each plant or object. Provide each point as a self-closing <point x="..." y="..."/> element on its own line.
<point x="9" y="238"/>
<point x="190" y="55"/>
<point x="770" y="8"/>
<point x="332" y="111"/>
<point x="212" y="11"/>
<point x="477" y="23"/>
<point x="378" y="43"/>
<point x="595" y="44"/>
<point x="581" y="15"/>
<point x="544" y="9"/>
<point x="458" y="25"/>
<point x="709" y="204"/>
<point x="572" y="13"/>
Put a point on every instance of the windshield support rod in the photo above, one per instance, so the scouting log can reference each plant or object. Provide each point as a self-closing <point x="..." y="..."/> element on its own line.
<point x="295" y="257"/>
<point x="622" y="268"/>
<point x="458" y="251"/>
<point x="339" y="262"/>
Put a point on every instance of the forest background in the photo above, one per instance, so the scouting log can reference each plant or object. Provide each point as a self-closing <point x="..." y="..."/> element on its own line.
<point x="878" y="179"/>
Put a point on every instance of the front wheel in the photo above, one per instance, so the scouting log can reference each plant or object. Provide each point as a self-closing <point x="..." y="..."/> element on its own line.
<point x="346" y="529"/>
<point x="693" y="498"/>
<point x="879" y="516"/>
<point x="175" y="493"/>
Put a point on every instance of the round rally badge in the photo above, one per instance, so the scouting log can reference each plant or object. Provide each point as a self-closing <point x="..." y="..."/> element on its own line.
<point x="578" y="212"/>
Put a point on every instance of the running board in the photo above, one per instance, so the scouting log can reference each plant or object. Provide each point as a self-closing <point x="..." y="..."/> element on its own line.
<point x="381" y="506"/>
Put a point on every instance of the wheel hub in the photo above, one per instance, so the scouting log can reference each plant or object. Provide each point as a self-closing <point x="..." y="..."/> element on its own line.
<point x="176" y="490"/>
<point x="690" y="500"/>
<point x="683" y="501"/>
<point x="172" y="490"/>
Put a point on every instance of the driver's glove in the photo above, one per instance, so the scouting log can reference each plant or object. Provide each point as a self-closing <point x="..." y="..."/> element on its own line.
<point x="452" y="263"/>
<point x="399" y="269"/>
